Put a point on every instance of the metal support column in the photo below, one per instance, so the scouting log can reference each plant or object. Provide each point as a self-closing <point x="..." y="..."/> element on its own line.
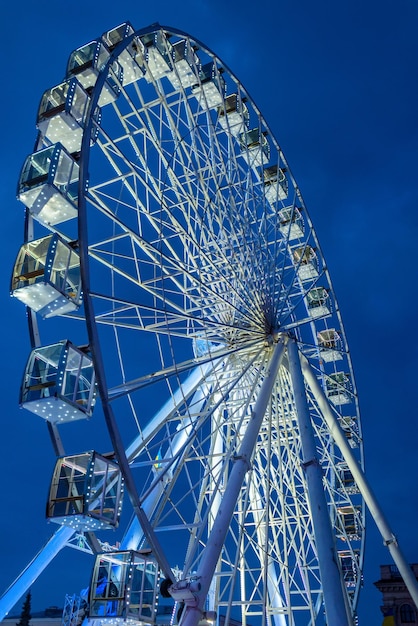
<point x="242" y="463"/>
<point x="335" y="599"/>
<point x="340" y="439"/>
<point x="22" y="583"/>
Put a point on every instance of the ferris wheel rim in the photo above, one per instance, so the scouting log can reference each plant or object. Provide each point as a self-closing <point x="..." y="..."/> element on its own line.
<point x="90" y="295"/>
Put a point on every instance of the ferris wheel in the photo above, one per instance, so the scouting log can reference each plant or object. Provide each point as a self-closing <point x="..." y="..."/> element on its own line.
<point x="167" y="241"/>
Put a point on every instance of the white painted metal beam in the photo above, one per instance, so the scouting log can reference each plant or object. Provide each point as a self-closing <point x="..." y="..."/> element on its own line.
<point x="22" y="583"/>
<point x="340" y="439"/>
<point x="335" y="597"/>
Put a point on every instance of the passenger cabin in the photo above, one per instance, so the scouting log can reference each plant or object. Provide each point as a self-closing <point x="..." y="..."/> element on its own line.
<point x="124" y="587"/>
<point x="59" y="383"/>
<point x="87" y="62"/>
<point x="276" y="186"/>
<point x="233" y="115"/>
<point x="350" y="429"/>
<point x="348" y="525"/>
<point x="46" y="276"/>
<point x="185" y="64"/>
<point x="306" y="263"/>
<point x="158" y="55"/>
<point x="113" y="37"/>
<point x="291" y="223"/>
<point x="48" y="185"/>
<point x="62" y="115"/>
<point x="349" y="566"/>
<point x="330" y="345"/>
<point x="131" y="59"/>
<point x="86" y="492"/>
<point x="210" y="90"/>
<point x="338" y="388"/>
<point x="348" y="484"/>
<point x="318" y="302"/>
<point x="255" y="148"/>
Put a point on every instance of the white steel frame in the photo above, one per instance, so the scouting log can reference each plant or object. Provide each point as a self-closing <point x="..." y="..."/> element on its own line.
<point x="195" y="300"/>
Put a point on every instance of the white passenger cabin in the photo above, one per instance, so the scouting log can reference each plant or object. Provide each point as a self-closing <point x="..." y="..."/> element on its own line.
<point x="185" y="65"/>
<point x="124" y="588"/>
<point x="306" y="263"/>
<point x="86" y="492"/>
<point x="349" y="567"/>
<point x="62" y="115"/>
<point x="48" y="185"/>
<point x="59" y="383"/>
<point x="158" y="55"/>
<point x="349" y="485"/>
<point x="291" y="223"/>
<point x="350" y="429"/>
<point x="338" y="388"/>
<point x="86" y="63"/>
<point x="348" y="525"/>
<point x="255" y="148"/>
<point x="276" y="186"/>
<point x="46" y="276"/>
<point x="210" y="90"/>
<point x="330" y="345"/>
<point x="318" y="302"/>
<point x="233" y="116"/>
<point x="131" y="59"/>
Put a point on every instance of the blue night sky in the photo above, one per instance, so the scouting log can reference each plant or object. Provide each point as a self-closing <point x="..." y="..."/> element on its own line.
<point x="337" y="82"/>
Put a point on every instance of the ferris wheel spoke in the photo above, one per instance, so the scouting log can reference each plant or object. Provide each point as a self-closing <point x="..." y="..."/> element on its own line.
<point x="198" y="537"/>
<point x="179" y="368"/>
<point x="168" y="264"/>
<point x="228" y="375"/>
<point x="220" y="202"/>
<point x="143" y="317"/>
<point x="100" y="251"/>
<point x="162" y="288"/>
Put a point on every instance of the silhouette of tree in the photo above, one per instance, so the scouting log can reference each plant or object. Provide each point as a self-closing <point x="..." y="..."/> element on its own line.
<point x="25" y="615"/>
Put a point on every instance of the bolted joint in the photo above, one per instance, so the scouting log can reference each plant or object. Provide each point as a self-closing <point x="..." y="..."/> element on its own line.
<point x="244" y="459"/>
<point x="185" y="591"/>
<point x="313" y="462"/>
<point x="392" y="540"/>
